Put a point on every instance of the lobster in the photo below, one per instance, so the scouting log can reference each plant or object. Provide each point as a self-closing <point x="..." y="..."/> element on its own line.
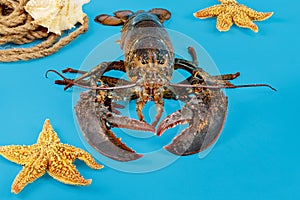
<point x="149" y="64"/>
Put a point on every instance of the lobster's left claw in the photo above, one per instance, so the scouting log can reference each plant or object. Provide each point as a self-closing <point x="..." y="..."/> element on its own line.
<point x="205" y="116"/>
<point x="96" y="120"/>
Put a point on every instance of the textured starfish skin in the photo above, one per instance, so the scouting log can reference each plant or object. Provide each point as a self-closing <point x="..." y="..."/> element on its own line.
<point x="229" y="12"/>
<point x="47" y="155"/>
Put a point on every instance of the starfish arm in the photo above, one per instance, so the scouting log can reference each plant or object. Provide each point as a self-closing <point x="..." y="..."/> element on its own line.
<point x="73" y="153"/>
<point x="224" y="21"/>
<point x="48" y="134"/>
<point x="64" y="171"/>
<point x="30" y="172"/>
<point x="209" y="12"/>
<point x="241" y="19"/>
<point x="254" y="15"/>
<point x="17" y="153"/>
<point x="227" y="1"/>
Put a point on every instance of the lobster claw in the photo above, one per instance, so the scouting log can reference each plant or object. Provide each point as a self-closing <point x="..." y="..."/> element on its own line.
<point x="95" y="121"/>
<point x="205" y="116"/>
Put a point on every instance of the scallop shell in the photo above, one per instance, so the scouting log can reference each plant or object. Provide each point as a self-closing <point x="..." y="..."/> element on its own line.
<point x="56" y="15"/>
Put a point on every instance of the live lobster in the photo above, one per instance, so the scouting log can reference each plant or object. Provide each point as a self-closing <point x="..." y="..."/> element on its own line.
<point x="149" y="64"/>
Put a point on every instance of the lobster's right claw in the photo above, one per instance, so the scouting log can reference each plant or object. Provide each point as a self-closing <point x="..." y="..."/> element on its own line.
<point x="205" y="116"/>
<point x="95" y="122"/>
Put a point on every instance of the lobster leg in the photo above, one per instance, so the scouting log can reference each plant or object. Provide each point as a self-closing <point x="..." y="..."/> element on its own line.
<point x="117" y="65"/>
<point x="73" y="71"/>
<point x="110" y="81"/>
<point x="143" y="99"/>
<point x="193" y="54"/>
<point x="97" y="71"/>
<point x="159" y="102"/>
<point x="193" y="69"/>
<point x="103" y="67"/>
<point x="139" y="108"/>
<point x="226" y="76"/>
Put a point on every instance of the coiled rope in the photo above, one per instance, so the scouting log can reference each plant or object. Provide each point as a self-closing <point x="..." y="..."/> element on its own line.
<point x="16" y="27"/>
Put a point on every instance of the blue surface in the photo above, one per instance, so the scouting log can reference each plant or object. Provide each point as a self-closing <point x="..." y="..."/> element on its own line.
<point x="257" y="155"/>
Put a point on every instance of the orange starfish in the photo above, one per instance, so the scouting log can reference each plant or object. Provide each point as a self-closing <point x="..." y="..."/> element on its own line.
<point x="229" y="12"/>
<point x="47" y="155"/>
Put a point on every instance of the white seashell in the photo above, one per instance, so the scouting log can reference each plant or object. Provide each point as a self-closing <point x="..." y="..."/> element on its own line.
<point x="56" y="15"/>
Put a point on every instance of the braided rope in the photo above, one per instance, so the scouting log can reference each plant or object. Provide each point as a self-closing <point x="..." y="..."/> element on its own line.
<point x="16" y="27"/>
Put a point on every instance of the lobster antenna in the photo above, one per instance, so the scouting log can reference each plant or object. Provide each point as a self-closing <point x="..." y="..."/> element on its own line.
<point x="222" y="86"/>
<point x="71" y="82"/>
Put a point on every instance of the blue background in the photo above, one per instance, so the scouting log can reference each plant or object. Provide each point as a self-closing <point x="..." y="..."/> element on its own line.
<point x="257" y="155"/>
